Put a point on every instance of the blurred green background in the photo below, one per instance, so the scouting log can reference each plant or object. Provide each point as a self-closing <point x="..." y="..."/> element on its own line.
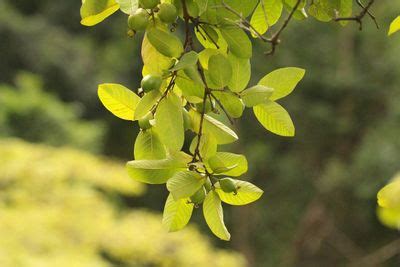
<point x="65" y="199"/>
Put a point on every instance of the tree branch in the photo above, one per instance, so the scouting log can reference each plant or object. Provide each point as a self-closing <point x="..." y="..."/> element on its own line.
<point x="358" y="18"/>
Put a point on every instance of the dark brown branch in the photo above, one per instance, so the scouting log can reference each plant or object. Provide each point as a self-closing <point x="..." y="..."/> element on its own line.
<point x="359" y="18"/>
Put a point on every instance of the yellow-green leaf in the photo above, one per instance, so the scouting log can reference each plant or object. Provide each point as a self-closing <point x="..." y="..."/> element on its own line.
<point x="256" y="95"/>
<point x="222" y="133"/>
<point x="246" y="193"/>
<point x="241" y="73"/>
<point x="238" y="41"/>
<point x="219" y="70"/>
<point x="274" y="118"/>
<point x="169" y="122"/>
<point x="176" y="213"/>
<point x="119" y="100"/>
<point x="283" y="81"/>
<point x="229" y="164"/>
<point x="184" y="184"/>
<point x="213" y="214"/>
<point x="146" y="103"/>
<point x="148" y="146"/>
<point x="394" y="26"/>
<point x="95" y="11"/>
<point x="165" y="42"/>
<point x="154" y="61"/>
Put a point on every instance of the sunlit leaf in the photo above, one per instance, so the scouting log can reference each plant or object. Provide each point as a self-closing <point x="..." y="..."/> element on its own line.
<point x="246" y="193"/>
<point x="283" y="81"/>
<point x="274" y="118"/>
<point x="165" y="42"/>
<point x="256" y="95"/>
<point x="119" y="100"/>
<point x="148" y="146"/>
<point x="213" y="214"/>
<point x="394" y="26"/>
<point x="184" y="184"/>
<point x="95" y="11"/>
<point x="241" y="73"/>
<point x="176" y="213"/>
<point x="238" y="41"/>
<point x="169" y="122"/>
<point x="229" y="164"/>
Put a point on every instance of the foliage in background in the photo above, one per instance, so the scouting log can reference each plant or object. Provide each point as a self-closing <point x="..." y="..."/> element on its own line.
<point x="58" y="209"/>
<point x="28" y="112"/>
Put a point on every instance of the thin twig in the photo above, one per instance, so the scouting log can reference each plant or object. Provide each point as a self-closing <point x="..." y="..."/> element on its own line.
<point x="358" y="18"/>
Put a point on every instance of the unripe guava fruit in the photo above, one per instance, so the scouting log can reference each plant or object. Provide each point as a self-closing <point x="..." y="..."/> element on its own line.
<point x="151" y="82"/>
<point x="227" y="185"/>
<point x="167" y="13"/>
<point x="148" y="4"/>
<point x="199" y="196"/>
<point x="144" y="123"/>
<point x="139" y="20"/>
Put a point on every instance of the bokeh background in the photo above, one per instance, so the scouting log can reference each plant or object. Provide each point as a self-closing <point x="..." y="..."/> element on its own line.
<point x="65" y="199"/>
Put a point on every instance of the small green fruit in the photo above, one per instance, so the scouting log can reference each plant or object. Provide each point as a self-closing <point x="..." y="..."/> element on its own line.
<point x="228" y="185"/>
<point x="151" y="82"/>
<point x="167" y="13"/>
<point x="139" y="20"/>
<point x="199" y="196"/>
<point x="144" y="123"/>
<point x="148" y="4"/>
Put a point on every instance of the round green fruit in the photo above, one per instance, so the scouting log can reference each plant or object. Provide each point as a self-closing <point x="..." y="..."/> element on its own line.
<point x="167" y="13"/>
<point x="148" y="4"/>
<point x="199" y="196"/>
<point x="144" y="123"/>
<point x="228" y="185"/>
<point x="139" y="20"/>
<point x="151" y="82"/>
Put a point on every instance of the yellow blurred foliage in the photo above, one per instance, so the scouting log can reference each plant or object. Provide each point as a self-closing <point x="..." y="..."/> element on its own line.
<point x="57" y="209"/>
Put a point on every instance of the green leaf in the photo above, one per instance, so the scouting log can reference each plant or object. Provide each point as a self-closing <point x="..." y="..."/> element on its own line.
<point x="204" y="56"/>
<point x="169" y="122"/>
<point x="192" y="91"/>
<point x="157" y="171"/>
<point x="165" y="42"/>
<point x="214" y="216"/>
<point x="193" y="74"/>
<point x="207" y="147"/>
<point x="95" y="11"/>
<point x="241" y="73"/>
<point x="128" y="6"/>
<point x="246" y="193"/>
<point x="146" y="103"/>
<point x="119" y="100"/>
<point x="210" y="37"/>
<point x="232" y="104"/>
<point x="176" y="214"/>
<point x="394" y="26"/>
<point x="184" y="184"/>
<point x="187" y="60"/>
<point x="238" y="41"/>
<point x="153" y="60"/>
<point x="220" y="70"/>
<point x="283" y="81"/>
<point x="266" y="14"/>
<point x="148" y="146"/>
<point x="256" y="95"/>
<point x="229" y="164"/>
<point x="274" y="118"/>
<point x="222" y="133"/>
